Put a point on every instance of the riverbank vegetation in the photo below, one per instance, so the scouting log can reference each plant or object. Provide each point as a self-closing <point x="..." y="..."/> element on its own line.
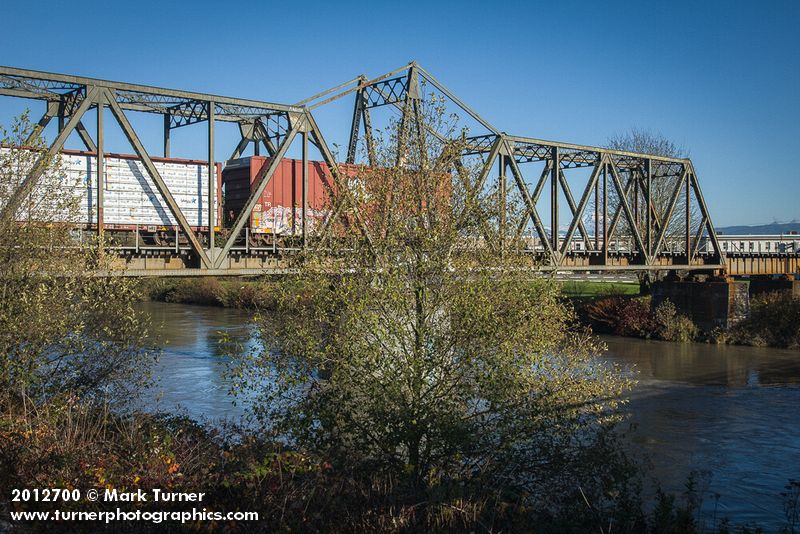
<point x="635" y="317"/>
<point x="254" y="294"/>
<point x="606" y="308"/>
<point x="773" y="321"/>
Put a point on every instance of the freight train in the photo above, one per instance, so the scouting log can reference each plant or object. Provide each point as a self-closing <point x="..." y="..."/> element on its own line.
<point x="135" y="214"/>
<point x="756" y="245"/>
<point x="278" y="211"/>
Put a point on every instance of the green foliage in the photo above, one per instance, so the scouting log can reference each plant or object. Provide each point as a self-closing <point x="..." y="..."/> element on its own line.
<point x="61" y="329"/>
<point x="210" y="291"/>
<point x="774" y="321"/>
<point x="634" y="317"/>
<point x="71" y="444"/>
<point x="430" y="360"/>
<point x="672" y="326"/>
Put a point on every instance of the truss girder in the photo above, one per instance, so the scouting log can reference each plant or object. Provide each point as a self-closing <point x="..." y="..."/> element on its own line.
<point x="55" y="87"/>
<point x="619" y="181"/>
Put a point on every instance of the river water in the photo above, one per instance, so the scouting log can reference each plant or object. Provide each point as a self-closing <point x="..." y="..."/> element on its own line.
<point x="733" y="412"/>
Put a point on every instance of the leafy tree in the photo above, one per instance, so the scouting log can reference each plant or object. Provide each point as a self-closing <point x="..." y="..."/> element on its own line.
<point x="425" y="357"/>
<point x="62" y="330"/>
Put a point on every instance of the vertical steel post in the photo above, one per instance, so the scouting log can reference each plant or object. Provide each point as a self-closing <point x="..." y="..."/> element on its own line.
<point x="688" y="220"/>
<point x="101" y="172"/>
<point x="597" y="215"/>
<point x="501" y="184"/>
<point x="304" y="208"/>
<point x="355" y="125"/>
<point x="166" y="134"/>
<point x="649" y="206"/>
<point x="212" y="180"/>
<point x="605" y="212"/>
<point x="554" y="172"/>
<point x="636" y="184"/>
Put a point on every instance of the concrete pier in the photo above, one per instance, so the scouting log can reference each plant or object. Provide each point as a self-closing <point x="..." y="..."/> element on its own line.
<point x="711" y="303"/>
<point x="786" y="284"/>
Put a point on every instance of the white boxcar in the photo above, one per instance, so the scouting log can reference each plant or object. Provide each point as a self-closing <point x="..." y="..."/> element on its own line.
<point x="130" y="197"/>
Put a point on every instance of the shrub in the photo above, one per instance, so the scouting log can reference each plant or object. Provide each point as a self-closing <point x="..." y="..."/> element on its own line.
<point x="621" y="316"/>
<point x="206" y="291"/>
<point x="774" y="321"/>
<point x="248" y="295"/>
<point x="672" y="326"/>
<point x="603" y="314"/>
<point x="635" y="319"/>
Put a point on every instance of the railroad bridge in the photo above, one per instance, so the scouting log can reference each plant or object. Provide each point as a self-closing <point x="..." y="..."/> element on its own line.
<point x="627" y="211"/>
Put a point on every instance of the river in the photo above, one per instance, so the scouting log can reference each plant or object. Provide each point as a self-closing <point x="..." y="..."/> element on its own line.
<point x="731" y="411"/>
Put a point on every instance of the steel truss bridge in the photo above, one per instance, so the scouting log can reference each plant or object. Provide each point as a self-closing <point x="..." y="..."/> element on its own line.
<point x="652" y="204"/>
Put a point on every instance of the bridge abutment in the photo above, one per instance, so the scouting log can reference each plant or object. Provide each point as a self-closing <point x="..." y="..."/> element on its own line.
<point x="785" y="284"/>
<point x="710" y="303"/>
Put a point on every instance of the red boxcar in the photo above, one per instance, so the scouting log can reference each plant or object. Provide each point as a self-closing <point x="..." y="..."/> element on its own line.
<point x="279" y="210"/>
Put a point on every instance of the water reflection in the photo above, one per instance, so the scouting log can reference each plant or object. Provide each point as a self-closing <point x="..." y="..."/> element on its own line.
<point x="729" y="410"/>
<point x="701" y="364"/>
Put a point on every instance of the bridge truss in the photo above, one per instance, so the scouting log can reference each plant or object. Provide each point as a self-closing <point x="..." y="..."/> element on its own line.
<point x="647" y="211"/>
<point x="633" y="211"/>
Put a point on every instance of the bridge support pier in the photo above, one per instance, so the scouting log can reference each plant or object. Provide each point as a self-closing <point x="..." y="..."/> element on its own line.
<point x="784" y="284"/>
<point x="711" y="303"/>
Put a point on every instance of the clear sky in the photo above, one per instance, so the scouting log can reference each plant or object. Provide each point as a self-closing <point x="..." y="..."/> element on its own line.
<point x="720" y="78"/>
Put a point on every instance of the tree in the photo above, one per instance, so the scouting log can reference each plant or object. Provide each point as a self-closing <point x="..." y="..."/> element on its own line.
<point x="646" y="142"/>
<point x="63" y="331"/>
<point x="663" y="183"/>
<point x="424" y="356"/>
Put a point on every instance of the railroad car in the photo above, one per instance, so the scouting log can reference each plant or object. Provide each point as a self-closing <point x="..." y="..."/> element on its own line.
<point x="278" y="215"/>
<point x="132" y="206"/>
<point x="278" y="210"/>
<point x="749" y="245"/>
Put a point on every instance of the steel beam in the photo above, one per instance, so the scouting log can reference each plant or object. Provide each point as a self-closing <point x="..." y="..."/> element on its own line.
<point x="712" y="234"/>
<point x="530" y="205"/>
<point x="571" y="204"/>
<point x="88" y="142"/>
<point x="628" y="213"/>
<point x="261" y="180"/>
<point x="554" y="179"/>
<point x="101" y="171"/>
<point x="50" y="112"/>
<point x="27" y="185"/>
<point x="125" y="91"/>
<point x="673" y="201"/>
<point x="578" y="212"/>
<point x="152" y="171"/>
<point x="304" y="206"/>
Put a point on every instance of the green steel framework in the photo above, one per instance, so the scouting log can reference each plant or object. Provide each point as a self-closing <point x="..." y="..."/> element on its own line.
<point x="626" y="176"/>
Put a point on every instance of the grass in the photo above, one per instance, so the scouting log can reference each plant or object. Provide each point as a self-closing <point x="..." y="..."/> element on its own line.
<point x="585" y="288"/>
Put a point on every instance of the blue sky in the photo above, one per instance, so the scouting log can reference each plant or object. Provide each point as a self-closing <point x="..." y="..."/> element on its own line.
<point x="720" y="78"/>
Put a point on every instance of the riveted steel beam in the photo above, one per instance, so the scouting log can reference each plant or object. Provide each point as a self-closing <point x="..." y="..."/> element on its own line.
<point x="155" y="176"/>
<point x="30" y="181"/>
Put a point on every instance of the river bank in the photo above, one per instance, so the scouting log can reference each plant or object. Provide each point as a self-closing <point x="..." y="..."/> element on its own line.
<point x="614" y="308"/>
